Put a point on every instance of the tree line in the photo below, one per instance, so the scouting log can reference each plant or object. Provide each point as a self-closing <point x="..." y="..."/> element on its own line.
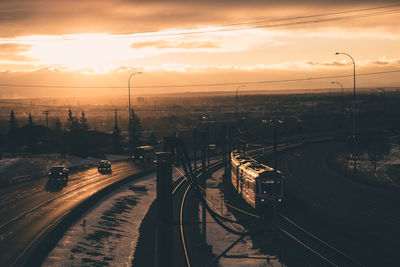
<point x="75" y="138"/>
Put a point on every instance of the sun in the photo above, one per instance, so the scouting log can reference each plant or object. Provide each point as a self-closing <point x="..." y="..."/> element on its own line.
<point x="97" y="52"/>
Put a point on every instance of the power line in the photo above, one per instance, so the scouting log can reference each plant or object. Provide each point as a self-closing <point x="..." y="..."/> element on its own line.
<point x="228" y="27"/>
<point x="199" y="84"/>
<point x="309" y="16"/>
<point x="197" y="31"/>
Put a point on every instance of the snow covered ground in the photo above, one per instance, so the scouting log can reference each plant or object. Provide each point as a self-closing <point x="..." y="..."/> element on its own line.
<point x="387" y="167"/>
<point x="243" y="253"/>
<point x="28" y="167"/>
<point x="107" y="234"/>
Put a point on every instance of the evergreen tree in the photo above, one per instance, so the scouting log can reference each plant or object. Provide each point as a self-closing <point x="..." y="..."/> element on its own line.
<point x="83" y="122"/>
<point x="71" y="121"/>
<point x="12" y="123"/>
<point x="31" y="135"/>
<point x="116" y="134"/>
<point x="58" y="125"/>
<point x="135" y="130"/>
<point x="73" y="134"/>
<point x="12" y="131"/>
<point x="30" y="121"/>
<point x="59" y="136"/>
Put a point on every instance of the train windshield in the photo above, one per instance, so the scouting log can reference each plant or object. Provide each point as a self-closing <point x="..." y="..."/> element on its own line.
<point x="267" y="187"/>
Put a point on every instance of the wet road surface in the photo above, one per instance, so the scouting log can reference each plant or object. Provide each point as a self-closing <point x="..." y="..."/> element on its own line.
<point x="31" y="208"/>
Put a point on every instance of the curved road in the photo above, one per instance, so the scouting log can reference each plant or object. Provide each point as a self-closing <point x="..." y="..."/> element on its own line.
<point x="31" y="208"/>
<point x="361" y="219"/>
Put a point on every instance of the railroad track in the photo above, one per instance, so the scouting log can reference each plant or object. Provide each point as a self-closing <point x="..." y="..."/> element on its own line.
<point x="327" y="253"/>
<point x="180" y="194"/>
<point x="184" y="185"/>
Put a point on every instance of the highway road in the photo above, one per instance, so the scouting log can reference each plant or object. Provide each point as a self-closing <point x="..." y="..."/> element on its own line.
<point x="361" y="219"/>
<point x="31" y="208"/>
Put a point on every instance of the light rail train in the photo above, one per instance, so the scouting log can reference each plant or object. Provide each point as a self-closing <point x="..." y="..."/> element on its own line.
<point x="258" y="184"/>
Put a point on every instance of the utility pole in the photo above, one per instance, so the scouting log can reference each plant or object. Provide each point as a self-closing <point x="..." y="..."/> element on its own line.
<point x="195" y="152"/>
<point x="208" y="152"/>
<point x="46" y="112"/>
<point x="230" y="149"/>
<point x="164" y="208"/>
<point x="275" y="172"/>
<point x="203" y="185"/>
<point x="224" y="150"/>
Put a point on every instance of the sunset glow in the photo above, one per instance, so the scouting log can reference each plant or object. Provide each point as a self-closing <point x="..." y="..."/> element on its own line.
<point x="262" y="42"/>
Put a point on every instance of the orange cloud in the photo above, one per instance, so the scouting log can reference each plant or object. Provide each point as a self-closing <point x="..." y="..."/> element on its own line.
<point x="12" y="52"/>
<point x="183" y="45"/>
<point x="27" y="17"/>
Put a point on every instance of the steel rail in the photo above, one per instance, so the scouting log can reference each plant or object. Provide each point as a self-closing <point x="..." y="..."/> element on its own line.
<point x="183" y="201"/>
<point x="307" y="247"/>
<point x="321" y="241"/>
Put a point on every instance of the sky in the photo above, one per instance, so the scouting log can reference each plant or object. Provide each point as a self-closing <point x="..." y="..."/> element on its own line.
<point x="81" y="48"/>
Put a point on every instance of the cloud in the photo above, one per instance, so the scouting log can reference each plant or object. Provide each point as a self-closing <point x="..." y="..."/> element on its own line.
<point x="13" y="52"/>
<point x="383" y="61"/>
<point x="27" y="17"/>
<point x="182" y="45"/>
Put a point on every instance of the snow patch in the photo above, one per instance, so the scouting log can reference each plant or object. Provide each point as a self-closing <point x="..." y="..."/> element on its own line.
<point x="107" y="234"/>
<point x="243" y="253"/>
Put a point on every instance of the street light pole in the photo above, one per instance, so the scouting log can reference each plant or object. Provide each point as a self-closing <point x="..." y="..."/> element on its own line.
<point x="129" y="91"/>
<point x="354" y="108"/>
<point x="237" y="114"/>
<point x="334" y="82"/>
<point x="237" y="107"/>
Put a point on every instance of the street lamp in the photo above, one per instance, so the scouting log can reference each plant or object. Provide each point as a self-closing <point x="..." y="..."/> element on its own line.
<point x="334" y="82"/>
<point x="129" y="91"/>
<point x="237" y="109"/>
<point x="354" y="107"/>
<point x="237" y="114"/>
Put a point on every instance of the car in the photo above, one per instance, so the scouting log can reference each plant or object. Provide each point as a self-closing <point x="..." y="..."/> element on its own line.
<point x="212" y="149"/>
<point x="143" y="153"/>
<point x="58" y="172"/>
<point x="104" y="166"/>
